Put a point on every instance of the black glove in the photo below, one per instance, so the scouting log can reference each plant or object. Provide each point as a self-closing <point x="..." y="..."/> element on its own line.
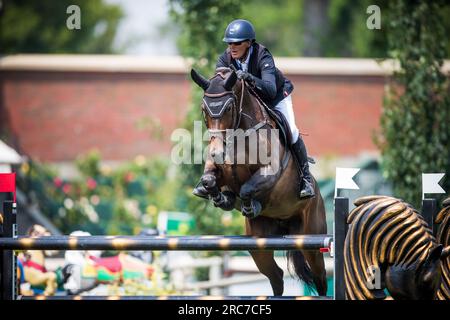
<point x="244" y="75"/>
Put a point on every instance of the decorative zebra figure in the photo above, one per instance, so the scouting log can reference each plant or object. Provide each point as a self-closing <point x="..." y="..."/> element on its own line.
<point x="443" y="237"/>
<point x="389" y="241"/>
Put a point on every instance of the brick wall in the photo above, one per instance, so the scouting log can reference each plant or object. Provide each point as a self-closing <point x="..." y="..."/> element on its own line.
<point x="55" y="113"/>
<point x="54" y="116"/>
<point x="338" y="114"/>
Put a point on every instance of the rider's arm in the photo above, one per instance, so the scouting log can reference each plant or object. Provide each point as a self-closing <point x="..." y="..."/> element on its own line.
<point x="222" y="61"/>
<point x="267" y="84"/>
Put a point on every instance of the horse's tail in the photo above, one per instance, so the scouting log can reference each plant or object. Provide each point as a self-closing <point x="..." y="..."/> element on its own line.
<point x="297" y="260"/>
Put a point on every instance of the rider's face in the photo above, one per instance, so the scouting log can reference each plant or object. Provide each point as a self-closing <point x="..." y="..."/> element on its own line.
<point x="238" y="50"/>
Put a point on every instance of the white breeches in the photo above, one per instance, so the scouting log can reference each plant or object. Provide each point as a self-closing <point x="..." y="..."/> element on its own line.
<point x="285" y="107"/>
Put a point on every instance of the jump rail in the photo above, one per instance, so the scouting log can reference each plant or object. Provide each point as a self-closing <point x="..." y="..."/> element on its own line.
<point x="9" y="241"/>
<point x="304" y="242"/>
<point x="162" y="298"/>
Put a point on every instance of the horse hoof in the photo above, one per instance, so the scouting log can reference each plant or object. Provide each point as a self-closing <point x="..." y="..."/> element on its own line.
<point x="251" y="211"/>
<point x="208" y="181"/>
<point x="226" y="201"/>
<point x="201" y="192"/>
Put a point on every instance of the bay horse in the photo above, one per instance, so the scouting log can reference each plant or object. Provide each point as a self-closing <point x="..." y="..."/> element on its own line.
<point x="265" y="192"/>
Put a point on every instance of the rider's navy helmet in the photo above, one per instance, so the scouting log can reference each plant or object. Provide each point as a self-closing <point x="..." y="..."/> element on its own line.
<point x="239" y="30"/>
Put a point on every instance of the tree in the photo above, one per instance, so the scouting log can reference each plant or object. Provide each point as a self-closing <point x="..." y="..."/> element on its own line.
<point x="348" y="33"/>
<point x="316" y="24"/>
<point x="278" y="24"/>
<point x="202" y="25"/>
<point x="416" y="115"/>
<point x="28" y="26"/>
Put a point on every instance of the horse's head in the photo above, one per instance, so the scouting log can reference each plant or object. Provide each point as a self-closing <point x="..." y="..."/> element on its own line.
<point x="219" y="106"/>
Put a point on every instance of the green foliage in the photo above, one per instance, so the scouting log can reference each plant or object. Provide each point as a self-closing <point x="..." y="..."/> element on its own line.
<point x="29" y="26"/>
<point x="349" y="35"/>
<point x="278" y="24"/>
<point x="202" y="25"/>
<point x="103" y="200"/>
<point x="121" y="200"/>
<point x="416" y="115"/>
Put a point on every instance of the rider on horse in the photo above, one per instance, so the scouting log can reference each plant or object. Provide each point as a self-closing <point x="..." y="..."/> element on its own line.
<point x="255" y="65"/>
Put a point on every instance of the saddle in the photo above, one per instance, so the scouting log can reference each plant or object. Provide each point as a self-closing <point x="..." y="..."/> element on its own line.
<point x="281" y="123"/>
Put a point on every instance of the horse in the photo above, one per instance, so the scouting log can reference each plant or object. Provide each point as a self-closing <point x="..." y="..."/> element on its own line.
<point x="443" y="237"/>
<point x="389" y="240"/>
<point x="264" y="191"/>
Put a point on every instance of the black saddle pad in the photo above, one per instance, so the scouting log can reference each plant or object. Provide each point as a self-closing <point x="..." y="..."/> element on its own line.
<point x="282" y="124"/>
<point x="280" y="121"/>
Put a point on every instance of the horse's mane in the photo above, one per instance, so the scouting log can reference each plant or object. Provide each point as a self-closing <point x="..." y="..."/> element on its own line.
<point x="443" y="237"/>
<point x="383" y="231"/>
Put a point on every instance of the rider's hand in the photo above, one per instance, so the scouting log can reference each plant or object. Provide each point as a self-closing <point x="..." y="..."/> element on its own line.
<point x="243" y="75"/>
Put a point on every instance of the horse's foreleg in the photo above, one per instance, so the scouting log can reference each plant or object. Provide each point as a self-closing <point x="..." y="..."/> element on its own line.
<point x="209" y="178"/>
<point x="261" y="182"/>
<point x="224" y="200"/>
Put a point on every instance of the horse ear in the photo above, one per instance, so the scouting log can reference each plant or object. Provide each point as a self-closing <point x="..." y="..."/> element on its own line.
<point x="200" y="80"/>
<point x="231" y="80"/>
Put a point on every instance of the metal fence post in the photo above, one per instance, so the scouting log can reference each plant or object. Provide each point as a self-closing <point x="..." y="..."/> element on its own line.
<point x="9" y="262"/>
<point x="429" y="212"/>
<point x="340" y="231"/>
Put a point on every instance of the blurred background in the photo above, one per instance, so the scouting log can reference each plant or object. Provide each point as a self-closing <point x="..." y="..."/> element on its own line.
<point x="90" y="95"/>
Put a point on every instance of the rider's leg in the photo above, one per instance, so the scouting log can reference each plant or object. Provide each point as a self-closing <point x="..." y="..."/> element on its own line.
<point x="307" y="189"/>
<point x="298" y="147"/>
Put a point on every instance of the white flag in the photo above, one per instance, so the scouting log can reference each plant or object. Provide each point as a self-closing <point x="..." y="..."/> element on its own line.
<point x="430" y="183"/>
<point x="344" y="179"/>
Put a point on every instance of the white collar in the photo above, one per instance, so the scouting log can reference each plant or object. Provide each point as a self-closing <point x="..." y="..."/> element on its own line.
<point x="245" y="63"/>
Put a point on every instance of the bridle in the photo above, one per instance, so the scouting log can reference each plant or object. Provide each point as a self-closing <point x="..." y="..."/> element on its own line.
<point x="236" y="113"/>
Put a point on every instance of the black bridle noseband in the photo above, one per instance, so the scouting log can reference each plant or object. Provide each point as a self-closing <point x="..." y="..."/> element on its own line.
<point x="211" y="104"/>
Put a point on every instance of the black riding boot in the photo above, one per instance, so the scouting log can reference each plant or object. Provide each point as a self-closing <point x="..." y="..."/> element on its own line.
<point x="307" y="184"/>
<point x="200" y="191"/>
